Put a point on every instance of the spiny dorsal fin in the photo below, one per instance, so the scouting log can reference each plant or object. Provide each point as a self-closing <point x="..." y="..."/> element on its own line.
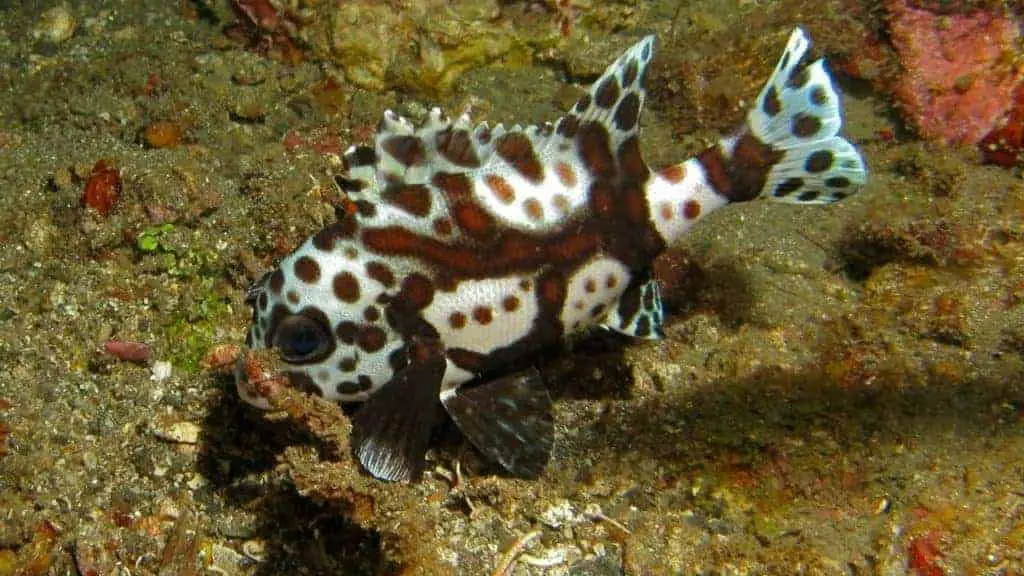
<point x="531" y="177"/>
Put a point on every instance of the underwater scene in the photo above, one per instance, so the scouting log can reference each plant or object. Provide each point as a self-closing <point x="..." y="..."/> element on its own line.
<point x="511" y="287"/>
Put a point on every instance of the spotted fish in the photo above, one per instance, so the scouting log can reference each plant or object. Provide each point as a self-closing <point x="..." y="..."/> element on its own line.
<point x="467" y="249"/>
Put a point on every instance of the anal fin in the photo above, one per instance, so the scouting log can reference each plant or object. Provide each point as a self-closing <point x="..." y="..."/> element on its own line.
<point x="639" y="312"/>
<point x="391" y="431"/>
<point x="509" y="419"/>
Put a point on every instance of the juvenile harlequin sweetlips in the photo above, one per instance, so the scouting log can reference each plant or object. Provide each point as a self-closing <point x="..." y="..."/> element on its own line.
<point x="471" y="248"/>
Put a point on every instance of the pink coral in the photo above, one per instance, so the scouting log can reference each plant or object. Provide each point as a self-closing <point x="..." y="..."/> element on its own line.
<point x="957" y="83"/>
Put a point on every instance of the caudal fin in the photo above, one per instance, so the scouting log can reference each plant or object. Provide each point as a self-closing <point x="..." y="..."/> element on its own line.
<point x="798" y="115"/>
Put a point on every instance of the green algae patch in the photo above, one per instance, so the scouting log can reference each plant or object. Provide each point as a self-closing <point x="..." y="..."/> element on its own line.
<point x="197" y="328"/>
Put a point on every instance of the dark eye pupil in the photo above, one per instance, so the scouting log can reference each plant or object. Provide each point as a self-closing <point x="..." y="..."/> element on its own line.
<point x="303" y="341"/>
<point x="300" y="338"/>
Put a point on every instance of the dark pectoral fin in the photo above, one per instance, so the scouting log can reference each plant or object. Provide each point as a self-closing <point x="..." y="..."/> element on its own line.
<point x="509" y="420"/>
<point x="390" y="432"/>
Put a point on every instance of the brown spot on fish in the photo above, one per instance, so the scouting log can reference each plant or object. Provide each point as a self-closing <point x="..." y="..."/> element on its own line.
<point x="307" y="270"/>
<point x="516" y="149"/>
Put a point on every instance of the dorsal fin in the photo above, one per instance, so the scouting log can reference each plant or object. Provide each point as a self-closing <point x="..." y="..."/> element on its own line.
<point x="616" y="99"/>
<point x="531" y="177"/>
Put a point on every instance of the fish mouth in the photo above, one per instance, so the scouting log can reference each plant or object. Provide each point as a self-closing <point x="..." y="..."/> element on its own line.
<point x="258" y="376"/>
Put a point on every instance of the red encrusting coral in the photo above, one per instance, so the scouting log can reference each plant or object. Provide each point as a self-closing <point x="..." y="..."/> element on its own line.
<point x="1004" y="145"/>
<point x="923" y="555"/>
<point x="958" y="82"/>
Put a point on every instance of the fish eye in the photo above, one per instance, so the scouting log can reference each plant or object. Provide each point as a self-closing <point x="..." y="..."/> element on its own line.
<point x="301" y="339"/>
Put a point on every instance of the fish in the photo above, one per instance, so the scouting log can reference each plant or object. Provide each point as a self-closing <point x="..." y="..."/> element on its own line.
<point x="463" y="251"/>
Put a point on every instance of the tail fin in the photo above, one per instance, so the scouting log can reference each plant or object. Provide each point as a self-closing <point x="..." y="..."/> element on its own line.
<point x="798" y="115"/>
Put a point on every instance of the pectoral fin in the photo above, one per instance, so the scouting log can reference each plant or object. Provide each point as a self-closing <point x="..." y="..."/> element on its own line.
<point x="390" y="432"/>
<point x="509" y="419"/>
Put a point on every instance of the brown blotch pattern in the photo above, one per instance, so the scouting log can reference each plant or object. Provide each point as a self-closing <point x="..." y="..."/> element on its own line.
<point x="276" y="282"/>
<point x="371" y="314"/>
<point x="805" y="125"/>
<point x="457" y="147"/>
<point x="350" y="184"/>
<point x="365" y="208"/>
<point x="443" y="226"/>
<point x="381" y="273"/>
<point x="346" y="287"/>
<point x="583" y="103"/>
<point x="534" y="210"/>
<point x="590" y="286"/>
<point x="674" y="174"/>
<point x="347" y="387"/>
<point x="326" y="238"/>
<point x="293" y="296"/>
<point x="627" y="113"/>
<point x="454" y="184"/>
<point x="348" y="364"/>
<point x="346" y="332"/>
<point x="593" y="146"/>
<point x="788" y="186"/>
<point x="371" y="338"/>
<point x="474" y="221"/>
<point x="833" y="182"/>
<point x="741" y="177"/>
<point x="607" y="93"/>
<point x="568" y="126"/>
<point x="501" y="189"/>
<point x="819" y="161"/>
<point x="457" y="320"/>
<point x="666" y="211"/>
<point x="361" y="156"/>
<point x="483" y="315"/>
<point x="601" y="198"/>
<point x="561" y="203"/>
<point x="798" y="78"/>
<point x="414" y="198"/>
<point x="629" y="75"/>
<point x="417" y="291"/>
<point x="691" y="209"/>
<point x="771" y="105"/>
<point x="631" y="161"/>
<point x="517" y="150"/>
<point x="611" y="281"/>
<point x="307" y="270"/>
<point x="551" y="290"/>
<point x="819" y="97"/>
<point x="566" y="174"/>
<point x="407" y="150"/>
<point x="510" y="303"/>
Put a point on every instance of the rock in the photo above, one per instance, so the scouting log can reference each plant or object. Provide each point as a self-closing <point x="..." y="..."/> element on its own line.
<point x="956" y="84"/>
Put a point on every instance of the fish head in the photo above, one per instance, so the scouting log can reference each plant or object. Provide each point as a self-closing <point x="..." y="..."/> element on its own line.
<point x="294" y="340"/>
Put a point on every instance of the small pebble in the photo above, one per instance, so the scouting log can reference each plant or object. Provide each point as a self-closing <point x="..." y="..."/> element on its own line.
<point x="128" y="351"/>
<point x="161" y="371"/>
<point x="179" y="432"/>
<point x="55" y="25"/>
